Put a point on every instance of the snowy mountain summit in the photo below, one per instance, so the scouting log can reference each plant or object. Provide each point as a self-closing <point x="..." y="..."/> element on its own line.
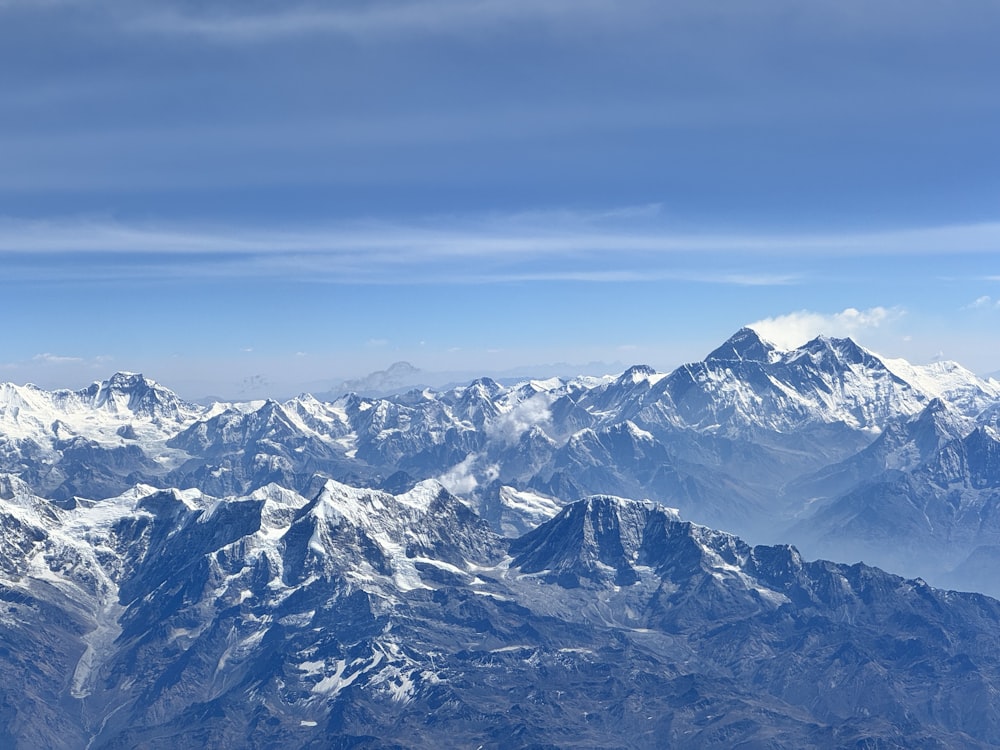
<point x="727" y="440"/>
<point x="462" y="567"/>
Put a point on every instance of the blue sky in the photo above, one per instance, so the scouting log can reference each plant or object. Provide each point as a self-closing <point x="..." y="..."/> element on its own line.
<point x="220" y="193"/>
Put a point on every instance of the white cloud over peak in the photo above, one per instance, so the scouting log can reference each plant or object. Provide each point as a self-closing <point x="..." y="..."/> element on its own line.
<point x="796" y="328"/>
<point x="532" y="412"/>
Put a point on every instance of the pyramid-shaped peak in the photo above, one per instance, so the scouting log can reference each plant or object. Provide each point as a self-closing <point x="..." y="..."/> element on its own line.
<point x="589" y="539"/>
<point x="484" y="386"/>
<point x="983" y="436"/>
<point x="935" y="414"/>
<point x="934" y="406"/>
<point x="270" y="406"/>
<point x="744" y="345"/>
<point x="933" y="426"/>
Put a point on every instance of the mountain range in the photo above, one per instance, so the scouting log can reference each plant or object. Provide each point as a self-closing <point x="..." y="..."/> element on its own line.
<point x="828" y="446"/>
<point x="459" y="567"/>
<point x="166" y="618"/>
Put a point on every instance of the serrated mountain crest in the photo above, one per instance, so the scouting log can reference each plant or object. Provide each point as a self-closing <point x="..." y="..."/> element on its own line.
<point x="844" y="351"/>
<point x="595" y="539"/>
<point x="132" y="393"/>
<point x="368" y="534"/>
<point x="733" y="440"/>
<point x="179" y="618"/>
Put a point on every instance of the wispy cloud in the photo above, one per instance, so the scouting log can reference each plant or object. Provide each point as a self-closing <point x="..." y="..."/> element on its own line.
<point x="618" y="246"/>
<point x="246" y="22"/>
<point x="60" y="362"/>
<point x="634" y="275"/>
<point x="794" y="329"/>
<point x="983" y="303"/>
<point x="449" y="236"/>
<point x="295" y="19"/>
<point x="249" y="23"/>
<point x="37" y="4"/>
<point x="56" y="359"/>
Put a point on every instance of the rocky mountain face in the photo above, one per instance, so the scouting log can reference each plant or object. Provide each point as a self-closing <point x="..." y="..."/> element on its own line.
<point x="826" y="445"/>
<point x="455" y="568"/>
<point x="922" y="499"/>
<point x="358" y="618"/>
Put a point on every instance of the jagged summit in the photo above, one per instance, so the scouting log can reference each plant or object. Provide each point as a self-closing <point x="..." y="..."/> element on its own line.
<point x="593" y="538"/>
<point x="733" y="441"/>
<point x="844" y="350"/>
<point x="745" y="344"/>
<point x="272" y="620"/>
<point x="638" y="374"/>
<point x="134" y="393"/>
<point x="935" y="406"/>
<point x="122" y="381"/>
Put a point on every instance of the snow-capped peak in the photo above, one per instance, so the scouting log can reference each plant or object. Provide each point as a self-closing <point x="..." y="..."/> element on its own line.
<point x="949" y="381"/>
<point x="745" y="344"/>
<point x="133" y="394"/>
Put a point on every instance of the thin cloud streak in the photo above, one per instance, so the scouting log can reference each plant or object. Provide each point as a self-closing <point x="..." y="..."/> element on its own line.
<point x="556" y="247"/>
<point x="295" y="19"/>
<point x="619" y="277"/>
<point x="56" y="359"/>
<point x="564" y="235"/>
<point x="375" y="19"/>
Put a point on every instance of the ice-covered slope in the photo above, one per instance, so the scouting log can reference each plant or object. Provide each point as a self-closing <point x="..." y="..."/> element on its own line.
<point x="747" y="384"/>
<point x="163" y="618"/>
<point x="962" y="390"/>
<point x="98" y="412"/>
<point x="94" y="441"/>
